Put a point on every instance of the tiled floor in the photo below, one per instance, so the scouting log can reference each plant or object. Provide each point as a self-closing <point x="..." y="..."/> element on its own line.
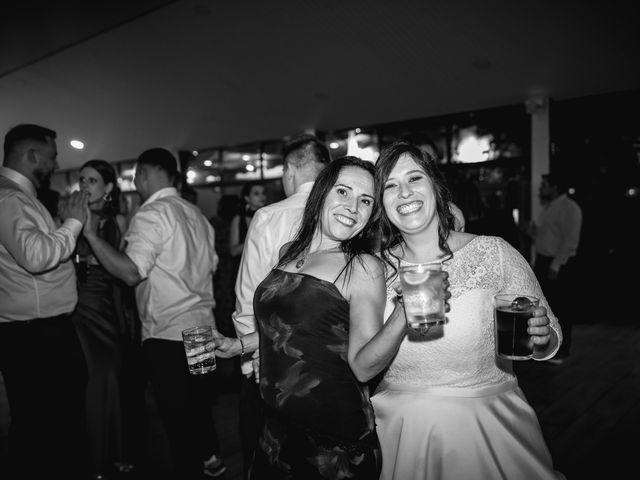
<point x="589" y="408"/>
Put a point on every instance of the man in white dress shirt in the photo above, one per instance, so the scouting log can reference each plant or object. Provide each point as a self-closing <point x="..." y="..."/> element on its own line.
<point x="170" y="257"/>
<point x="41" y="361"/>
<point x="557" y="236"/>
<point x="272" y="226"/>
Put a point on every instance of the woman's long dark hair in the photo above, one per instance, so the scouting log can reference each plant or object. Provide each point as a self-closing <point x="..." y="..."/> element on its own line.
<point x="363" y="242"/>
<point x="390" y="235"/>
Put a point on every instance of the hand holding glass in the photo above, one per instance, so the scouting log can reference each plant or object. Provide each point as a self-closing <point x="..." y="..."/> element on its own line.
<point x="512" y="314"/>
<point x="423" y="295"/>
<point x="199" y="348"/>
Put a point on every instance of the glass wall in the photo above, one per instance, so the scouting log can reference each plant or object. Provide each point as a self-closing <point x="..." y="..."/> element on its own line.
<point x="485" y="155"/>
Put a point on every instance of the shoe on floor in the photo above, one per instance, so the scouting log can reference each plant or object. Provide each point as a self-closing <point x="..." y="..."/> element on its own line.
<point x="214" y="467"/>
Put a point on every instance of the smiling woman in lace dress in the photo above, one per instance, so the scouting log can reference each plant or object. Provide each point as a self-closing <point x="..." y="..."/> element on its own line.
<point x="447" y="407"/>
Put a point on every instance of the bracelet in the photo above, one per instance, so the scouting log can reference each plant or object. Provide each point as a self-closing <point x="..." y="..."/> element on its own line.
<point x="241" y="347"/>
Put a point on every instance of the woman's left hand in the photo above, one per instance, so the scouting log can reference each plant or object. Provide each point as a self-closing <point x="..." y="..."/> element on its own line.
<point x="539" y="327"/>
<point x="447" y="293"/>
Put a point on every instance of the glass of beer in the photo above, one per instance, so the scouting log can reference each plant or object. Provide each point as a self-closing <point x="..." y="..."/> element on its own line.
<point x="199" y="348"/>
<point x="423" y="295"/>
<point x="512" y="314"/>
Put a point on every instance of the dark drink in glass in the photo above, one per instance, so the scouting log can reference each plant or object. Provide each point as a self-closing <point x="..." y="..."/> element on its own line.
<point x="512" y="313"/>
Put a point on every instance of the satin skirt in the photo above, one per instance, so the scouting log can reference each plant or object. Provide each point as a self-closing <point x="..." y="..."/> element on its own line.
<point x="440" y="433"/>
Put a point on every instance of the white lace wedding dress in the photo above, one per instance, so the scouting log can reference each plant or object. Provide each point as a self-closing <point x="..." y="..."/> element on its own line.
<point x="448" y="408"/>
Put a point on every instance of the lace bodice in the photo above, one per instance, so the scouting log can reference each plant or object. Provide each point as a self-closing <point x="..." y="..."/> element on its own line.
<point x="464" y="355"/>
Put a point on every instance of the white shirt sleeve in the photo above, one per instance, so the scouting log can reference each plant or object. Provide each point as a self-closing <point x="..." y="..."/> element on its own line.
<point x="145" y="239"/>
<point x="31" y="239"/>
<point x="255" y="264"/>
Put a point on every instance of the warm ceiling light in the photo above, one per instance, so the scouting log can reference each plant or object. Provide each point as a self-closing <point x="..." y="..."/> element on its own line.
<point x="334" y="145"/>
<point x="77" y="144"/>
<point x="207" y="163"/>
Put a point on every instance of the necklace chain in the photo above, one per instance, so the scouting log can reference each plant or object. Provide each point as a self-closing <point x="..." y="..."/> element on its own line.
<point x="306" y="255"/>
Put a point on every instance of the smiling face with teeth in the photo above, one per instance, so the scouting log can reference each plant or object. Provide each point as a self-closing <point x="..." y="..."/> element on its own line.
<point x="348" y="206"/>
<point x="408" y="199"/>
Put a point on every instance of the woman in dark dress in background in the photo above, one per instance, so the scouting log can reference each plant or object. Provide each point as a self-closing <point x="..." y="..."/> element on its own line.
<point x="98" y="325"/>
<point x="225" y="277"/>
<point x="254" y="196"/>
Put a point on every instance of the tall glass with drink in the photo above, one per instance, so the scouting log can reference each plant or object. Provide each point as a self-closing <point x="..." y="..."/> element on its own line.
<point x="423" y="295"/>
<point x="512" y="314"/>
<point x="199" y="348"/>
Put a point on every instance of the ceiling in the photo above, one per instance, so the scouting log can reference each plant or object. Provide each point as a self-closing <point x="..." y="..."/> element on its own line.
<point x="192" y="74"/>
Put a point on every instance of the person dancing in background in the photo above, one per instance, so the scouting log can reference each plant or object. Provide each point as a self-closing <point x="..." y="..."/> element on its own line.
<point x="99" y="327"/>
<point x="447" y="407"/>
<point x="41" y="359"/>
<point x="170" y="257"/>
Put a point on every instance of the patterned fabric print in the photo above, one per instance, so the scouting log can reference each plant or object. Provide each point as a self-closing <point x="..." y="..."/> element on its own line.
<point x="319" y="420"/>
<point x="289" y="452"/>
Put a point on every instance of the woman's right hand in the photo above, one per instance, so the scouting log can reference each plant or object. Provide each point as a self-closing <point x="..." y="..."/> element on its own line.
<point x="226" y="347"/>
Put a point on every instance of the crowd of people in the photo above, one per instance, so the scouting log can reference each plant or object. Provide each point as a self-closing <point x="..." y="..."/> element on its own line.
<point x="333" y="383"/>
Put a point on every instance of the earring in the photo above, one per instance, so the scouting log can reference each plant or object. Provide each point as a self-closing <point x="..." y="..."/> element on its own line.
<point x="107" y="198"/>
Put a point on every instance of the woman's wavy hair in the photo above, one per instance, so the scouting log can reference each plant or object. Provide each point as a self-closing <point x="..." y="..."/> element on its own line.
<point x="390" y="236"/>
<point x="363" y="242"/>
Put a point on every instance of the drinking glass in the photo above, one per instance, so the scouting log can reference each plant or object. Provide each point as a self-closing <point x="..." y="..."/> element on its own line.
<point x="512" y="314"/>
<point x="423" y="295"/>
<point x="199" y="348"/>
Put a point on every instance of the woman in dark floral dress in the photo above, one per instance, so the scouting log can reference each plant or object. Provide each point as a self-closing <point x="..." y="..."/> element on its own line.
<point x="321" y="337"/>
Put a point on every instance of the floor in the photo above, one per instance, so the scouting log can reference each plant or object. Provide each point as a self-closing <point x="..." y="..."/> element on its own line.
<point x="589" y="408"/>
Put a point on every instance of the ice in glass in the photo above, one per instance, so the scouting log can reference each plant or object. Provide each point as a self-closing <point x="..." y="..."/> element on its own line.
<point x="423" y="295"/>
<point x="199" y="348"/>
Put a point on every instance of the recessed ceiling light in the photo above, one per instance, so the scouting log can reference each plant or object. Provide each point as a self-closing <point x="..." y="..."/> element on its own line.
<point x="77" y="144"/>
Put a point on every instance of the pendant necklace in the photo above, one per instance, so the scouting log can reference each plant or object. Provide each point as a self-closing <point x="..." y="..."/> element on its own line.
<point x="303" y="259"/>
<point x="306" y="255"/>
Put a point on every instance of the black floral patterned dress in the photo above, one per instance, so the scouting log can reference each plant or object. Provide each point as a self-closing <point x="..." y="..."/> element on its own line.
<point x="319" y="422"/>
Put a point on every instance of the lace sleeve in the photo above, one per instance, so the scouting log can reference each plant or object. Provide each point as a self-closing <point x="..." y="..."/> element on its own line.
<point x="518" y="277"/>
